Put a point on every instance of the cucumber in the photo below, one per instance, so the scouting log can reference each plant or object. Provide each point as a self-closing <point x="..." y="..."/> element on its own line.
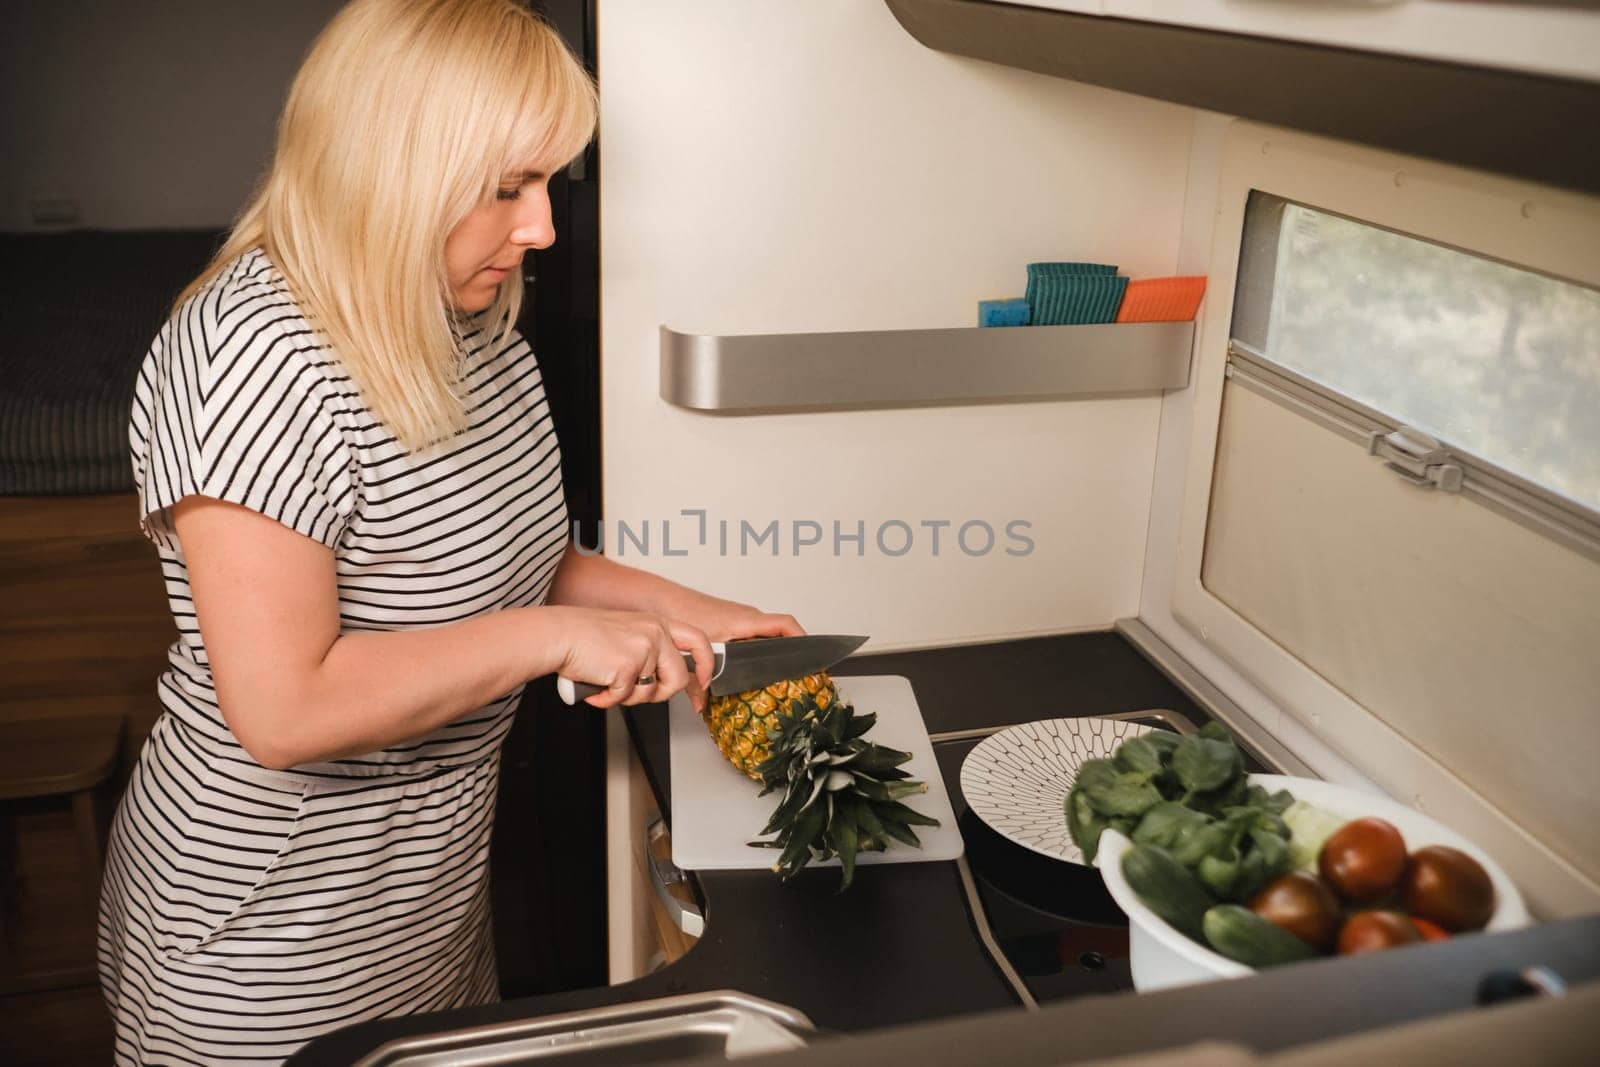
<point x="1085" y="824"/>
<point x="1167" y="888"/>
<point x="1240" y="934"/>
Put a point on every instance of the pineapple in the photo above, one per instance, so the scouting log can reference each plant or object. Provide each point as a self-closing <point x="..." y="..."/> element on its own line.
<point x="841" y="793"/>
<point x="740" y="724"/>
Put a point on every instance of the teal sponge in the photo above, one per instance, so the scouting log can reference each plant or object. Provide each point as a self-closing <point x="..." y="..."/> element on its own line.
<point x="1070" y="294"/>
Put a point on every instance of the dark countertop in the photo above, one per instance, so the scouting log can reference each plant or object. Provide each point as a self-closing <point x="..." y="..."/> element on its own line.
<point x="899" y="947"/>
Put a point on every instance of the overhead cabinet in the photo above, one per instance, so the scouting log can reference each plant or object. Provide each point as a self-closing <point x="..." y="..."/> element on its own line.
<point x="1501" y="88"/>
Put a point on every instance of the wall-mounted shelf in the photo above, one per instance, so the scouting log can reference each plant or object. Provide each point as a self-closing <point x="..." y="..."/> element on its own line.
<point x="898" y="368"/>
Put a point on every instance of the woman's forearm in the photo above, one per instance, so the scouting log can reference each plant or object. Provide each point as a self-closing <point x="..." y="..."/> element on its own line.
<point x="294" y="690"/>
<point x="373" y="690"/>
<point x="597" y="582"/>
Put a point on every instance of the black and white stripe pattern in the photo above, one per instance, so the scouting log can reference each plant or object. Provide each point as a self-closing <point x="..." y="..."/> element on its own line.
<point x="245" y="911"/>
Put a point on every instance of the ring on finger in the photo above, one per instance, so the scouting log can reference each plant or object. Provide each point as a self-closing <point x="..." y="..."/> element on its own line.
<point x="646" y="679"/>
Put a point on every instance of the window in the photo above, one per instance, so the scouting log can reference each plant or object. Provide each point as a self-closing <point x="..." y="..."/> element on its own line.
<point x="1501" y="365"/>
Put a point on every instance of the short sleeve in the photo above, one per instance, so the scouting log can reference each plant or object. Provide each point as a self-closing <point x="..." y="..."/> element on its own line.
<point x="232" y="402"/>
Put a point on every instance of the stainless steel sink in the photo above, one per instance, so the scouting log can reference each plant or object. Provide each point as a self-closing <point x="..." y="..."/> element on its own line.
<point x="722" y="1022"/>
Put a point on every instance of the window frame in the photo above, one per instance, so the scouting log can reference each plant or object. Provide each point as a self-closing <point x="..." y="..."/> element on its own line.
<point x="1517" y="498"/>
<point x="1542" y="229"/>
<point x="1551" y="513"/>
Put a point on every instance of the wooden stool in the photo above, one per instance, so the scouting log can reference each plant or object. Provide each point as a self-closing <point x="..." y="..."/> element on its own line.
<point x="67" y="757"/>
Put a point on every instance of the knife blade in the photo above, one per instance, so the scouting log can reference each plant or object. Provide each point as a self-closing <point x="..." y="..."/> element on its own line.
<point x="751" y="663"/>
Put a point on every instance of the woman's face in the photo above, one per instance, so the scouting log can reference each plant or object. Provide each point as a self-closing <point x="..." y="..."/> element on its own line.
<point x="488" y="244"/>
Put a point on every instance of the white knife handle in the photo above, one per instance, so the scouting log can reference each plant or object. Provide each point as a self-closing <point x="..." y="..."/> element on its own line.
<point x="571" y="692"/>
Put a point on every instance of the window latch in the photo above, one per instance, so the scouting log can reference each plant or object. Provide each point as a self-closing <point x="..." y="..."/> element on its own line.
<point x="1416" y="457"/>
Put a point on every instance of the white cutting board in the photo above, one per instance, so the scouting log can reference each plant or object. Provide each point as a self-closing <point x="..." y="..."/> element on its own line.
<point x="716" y="810"/>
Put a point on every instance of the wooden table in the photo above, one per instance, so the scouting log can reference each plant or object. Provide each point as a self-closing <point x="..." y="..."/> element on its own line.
<point x="67" y="757"/>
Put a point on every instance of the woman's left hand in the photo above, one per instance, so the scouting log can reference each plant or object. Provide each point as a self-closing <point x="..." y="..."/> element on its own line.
<point x="727" y="620"/>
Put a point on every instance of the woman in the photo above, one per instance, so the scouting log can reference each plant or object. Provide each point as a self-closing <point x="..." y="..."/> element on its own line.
<point x="344" y="456"/>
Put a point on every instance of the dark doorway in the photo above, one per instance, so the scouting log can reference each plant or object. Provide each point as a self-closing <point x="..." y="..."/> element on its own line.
<point x="549" y="867"/>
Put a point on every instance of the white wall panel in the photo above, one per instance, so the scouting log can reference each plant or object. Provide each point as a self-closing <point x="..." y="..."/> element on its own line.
<point x="809" y="167"/>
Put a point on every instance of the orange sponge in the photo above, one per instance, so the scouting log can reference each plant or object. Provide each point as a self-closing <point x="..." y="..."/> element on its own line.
<point x="1162" y="299"/>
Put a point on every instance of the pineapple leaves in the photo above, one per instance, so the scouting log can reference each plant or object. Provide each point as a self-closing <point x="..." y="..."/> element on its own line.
<point x="802" y="834"/>
<point x="901" y="813"/>
<point x="882" y="762"/>
<point x="841" y="792"/>
<point x="902" y="833"/>
<point x="790" y="807"/>
<point x="843" y="834"/>
<point x="885" y="792"/>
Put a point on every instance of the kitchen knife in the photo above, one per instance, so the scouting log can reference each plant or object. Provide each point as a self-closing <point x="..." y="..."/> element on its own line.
<point x="751" y="663"/>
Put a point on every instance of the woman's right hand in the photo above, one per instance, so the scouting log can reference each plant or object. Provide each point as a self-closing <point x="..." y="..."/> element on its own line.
<point x="616" y="648"/>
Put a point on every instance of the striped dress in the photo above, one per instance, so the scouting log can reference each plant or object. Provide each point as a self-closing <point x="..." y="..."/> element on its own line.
<point x="245" y="911"/>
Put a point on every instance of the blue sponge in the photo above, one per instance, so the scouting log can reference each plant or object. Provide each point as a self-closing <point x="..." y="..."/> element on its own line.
<point x="1013" y="312"/>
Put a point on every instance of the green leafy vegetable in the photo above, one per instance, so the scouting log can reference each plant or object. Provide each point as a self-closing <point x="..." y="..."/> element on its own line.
<point x="1217" y="801"/>
<point x="1164" y="823"/>
<point x="1094" y="772"/>
<point x="1139" y="756"/>
<point x="1190" y="799"/>
<point x="1115" y="792"/>
<point x="1277" y="803"/>
<point x="1164" y="741"/>
<point x="1268" y="857"/>
<point x="1203" y="763"/>
<point x="1198" y="839"/>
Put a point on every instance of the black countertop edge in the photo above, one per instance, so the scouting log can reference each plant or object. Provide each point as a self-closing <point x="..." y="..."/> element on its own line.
<point x="1267" y="1012"/>
<point x="1280" y="1009"/>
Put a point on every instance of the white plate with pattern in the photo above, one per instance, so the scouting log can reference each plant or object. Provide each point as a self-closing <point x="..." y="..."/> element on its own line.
<point x="1017" y="780"/>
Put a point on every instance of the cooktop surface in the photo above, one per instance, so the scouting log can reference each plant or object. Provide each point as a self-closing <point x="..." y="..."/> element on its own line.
<point x="1053" y="921"/>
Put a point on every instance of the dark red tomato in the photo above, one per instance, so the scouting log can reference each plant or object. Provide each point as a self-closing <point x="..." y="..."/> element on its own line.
<point x="1430" y="931"/>
<point x="1364" y="860"/>
<point x="1302" y="904"/>
<point x="1373" y="931"/>
<point x="1449" y="887"/>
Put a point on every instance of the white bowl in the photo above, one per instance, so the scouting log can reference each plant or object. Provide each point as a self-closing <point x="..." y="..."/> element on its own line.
<point x="1160" y="956"/>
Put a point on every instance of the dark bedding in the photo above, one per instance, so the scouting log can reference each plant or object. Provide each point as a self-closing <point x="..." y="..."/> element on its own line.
<point x="77" y="314"/>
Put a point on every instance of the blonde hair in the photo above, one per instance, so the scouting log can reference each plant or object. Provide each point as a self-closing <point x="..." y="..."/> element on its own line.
<point x="405" y="115"/>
